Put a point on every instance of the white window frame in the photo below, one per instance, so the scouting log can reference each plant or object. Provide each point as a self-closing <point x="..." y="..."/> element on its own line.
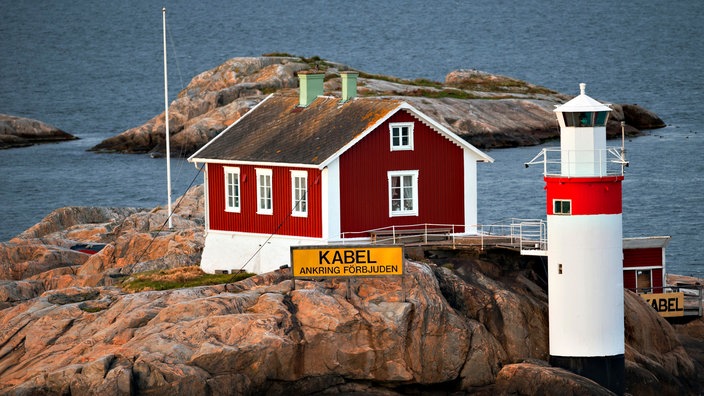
<point x="400" y="146"/>
<point x="562" y="201"/>
<point x="236" y="196"/>
<point x="299" y="209"/>
<point x="414" y="191"/>
<point x="265" y="204"/>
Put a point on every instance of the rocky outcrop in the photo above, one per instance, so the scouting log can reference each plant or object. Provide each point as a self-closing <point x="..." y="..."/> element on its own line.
<point x="21" y="132"/>
<point x="472" y="322"/>
<point x="15" y="292"/>
<point x="212" y="100"/>
<point x="465" y="321"/>
<point x="530" y="378"/>
<point x="655" y="360"/>
<point x="487" y="110"/>
<point x="135" y="240"/>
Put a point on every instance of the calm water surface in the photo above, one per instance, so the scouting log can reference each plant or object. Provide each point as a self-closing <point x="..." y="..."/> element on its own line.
<point x="94" y="69"/>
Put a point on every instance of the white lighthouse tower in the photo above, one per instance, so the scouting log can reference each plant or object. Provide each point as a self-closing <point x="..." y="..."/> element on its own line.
<point x="584" y="245"/>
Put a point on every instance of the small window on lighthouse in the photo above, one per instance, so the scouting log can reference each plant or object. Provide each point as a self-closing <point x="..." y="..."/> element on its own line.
<point x="562" y="207"/>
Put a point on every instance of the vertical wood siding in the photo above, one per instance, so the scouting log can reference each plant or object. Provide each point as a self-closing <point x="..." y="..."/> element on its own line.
<point x="657" y="280"/>
<point x="247" y="220"/>
<point x="646" y="257"/>
<point x="629" y="279"/>
<point x="364" y="195"/>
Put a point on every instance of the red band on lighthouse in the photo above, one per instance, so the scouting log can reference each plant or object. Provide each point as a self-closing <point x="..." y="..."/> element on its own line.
<point x="586" y="195"/>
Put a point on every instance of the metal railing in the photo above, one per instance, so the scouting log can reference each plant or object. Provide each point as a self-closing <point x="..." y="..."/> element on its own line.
<point x="610" y="161"/>
<point x="525" y="234"/>
<point x="410" y="233"/>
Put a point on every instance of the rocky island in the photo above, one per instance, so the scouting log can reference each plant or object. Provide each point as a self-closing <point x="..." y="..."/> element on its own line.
<point x="22" y="132"/>
<point x="489" y="111"/>
<point x="471" y="321"/>
<point x="459" y="321"/>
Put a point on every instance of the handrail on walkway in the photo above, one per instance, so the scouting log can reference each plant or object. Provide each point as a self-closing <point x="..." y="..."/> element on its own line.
<point x="526" y="234"/>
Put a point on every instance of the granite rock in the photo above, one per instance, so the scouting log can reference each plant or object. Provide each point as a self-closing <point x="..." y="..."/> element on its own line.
<point x="489" y="111"/>
<point x="22" y="132"/>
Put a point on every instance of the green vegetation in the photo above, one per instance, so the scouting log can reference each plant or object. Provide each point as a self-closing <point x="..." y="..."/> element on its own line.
<point x="480" y="82"/>
<point x="501" y="84"/>
<point x="176" y="278"/>
<point x="269" y="90"/>
<point x="420" y="82"/>
<point x="424" y="82"/>
<point x="91" y="309"/>
<point x="281" y="54"/>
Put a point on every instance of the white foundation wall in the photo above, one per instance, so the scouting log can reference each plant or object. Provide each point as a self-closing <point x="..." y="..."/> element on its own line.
<point x="234" y="251"/>
<point x="586" y="300"/>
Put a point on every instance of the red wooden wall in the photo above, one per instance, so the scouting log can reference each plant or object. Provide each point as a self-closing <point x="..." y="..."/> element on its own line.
<point x="364" y="186"/>
<point x="629" y="279"/>
<point x="280" y="222"/>
<point x="644" y="257"/>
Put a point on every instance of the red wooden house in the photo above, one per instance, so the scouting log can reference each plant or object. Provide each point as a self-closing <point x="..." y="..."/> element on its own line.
<point x="644" y="263"/>
<point x="309" y="169"/>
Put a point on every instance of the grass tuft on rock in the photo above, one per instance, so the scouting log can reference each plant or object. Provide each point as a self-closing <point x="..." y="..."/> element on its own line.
<point x="177" y="278"/>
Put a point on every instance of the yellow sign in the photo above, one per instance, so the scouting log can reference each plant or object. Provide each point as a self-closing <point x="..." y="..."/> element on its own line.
<point x="334" y="261"/>
<point x="667" y="304"/>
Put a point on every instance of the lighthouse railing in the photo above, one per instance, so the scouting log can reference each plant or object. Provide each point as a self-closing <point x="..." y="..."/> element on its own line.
<point x="610" y="161"/>
<point x="532" y="235"/>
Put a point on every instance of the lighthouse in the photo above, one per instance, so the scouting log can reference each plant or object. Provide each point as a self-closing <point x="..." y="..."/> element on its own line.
<point x="584" y="245"/>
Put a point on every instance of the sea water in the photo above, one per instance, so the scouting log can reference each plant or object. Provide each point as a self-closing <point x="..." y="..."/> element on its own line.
<point x="94" y="69"/>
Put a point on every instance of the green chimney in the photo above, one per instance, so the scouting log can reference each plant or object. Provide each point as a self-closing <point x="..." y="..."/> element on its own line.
<point x="349" y="85"/>
<point x="311" y="86"/>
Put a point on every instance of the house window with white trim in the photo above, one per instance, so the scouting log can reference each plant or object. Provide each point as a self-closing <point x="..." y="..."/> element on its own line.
<point x="232" y="189"/>
<point x="401" y="135"/>
<point x="264" y="193"/>
<point x="562" y="207"/>
<point x="299" y="193"/>
<point x="403" y="193"/>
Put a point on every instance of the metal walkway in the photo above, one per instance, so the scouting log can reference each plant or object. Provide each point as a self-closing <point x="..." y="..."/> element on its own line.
<point x="529" y="236"/>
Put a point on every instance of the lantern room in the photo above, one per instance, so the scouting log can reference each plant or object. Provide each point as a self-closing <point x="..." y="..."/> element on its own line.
<point x="583" y="135"/>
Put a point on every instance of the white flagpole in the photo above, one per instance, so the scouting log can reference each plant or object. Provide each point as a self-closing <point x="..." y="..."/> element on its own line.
<point x="166" y="120"/>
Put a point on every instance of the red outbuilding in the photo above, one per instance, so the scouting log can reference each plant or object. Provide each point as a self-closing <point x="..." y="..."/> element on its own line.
<point x="309" y="169"/>
<point x="644" y="264"/>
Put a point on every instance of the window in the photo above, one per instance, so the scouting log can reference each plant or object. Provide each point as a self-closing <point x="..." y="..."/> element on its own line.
<point x="562" y="207"/>
<point x="264" y="200"/>
<point x="403" y="193"/>
<point x="586" y="119"/>
<point x="401" y="136"/>
<point x="299" y="193"/>
<point x="232" y="189"/>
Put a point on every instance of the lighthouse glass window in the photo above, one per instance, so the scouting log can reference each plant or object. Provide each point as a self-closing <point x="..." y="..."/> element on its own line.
<point x="586" y="118"/>
<point x="562" y="207"/>
<point x="401" y="136"/>
<point x="403" y="193"/>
